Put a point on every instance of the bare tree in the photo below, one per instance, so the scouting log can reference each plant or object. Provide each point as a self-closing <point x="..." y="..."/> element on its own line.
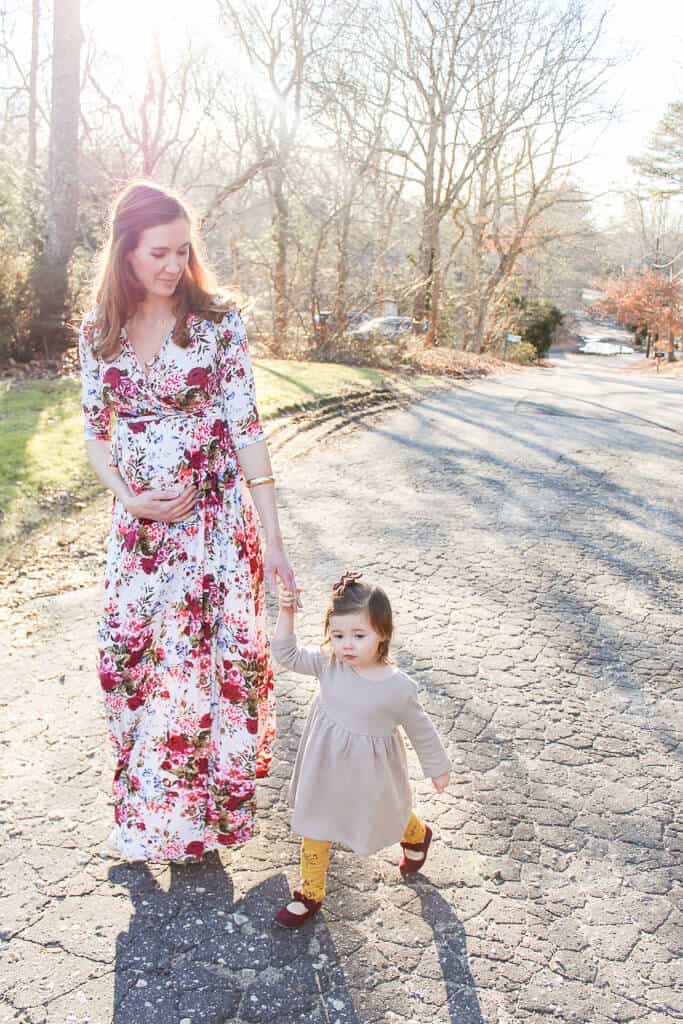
<point x="353" y="113"/>
<point x="474" y="77"/>
<point x="534" y="93"/>
<point x="280" y="39"/>
<point x="20" y="80"/>
<point x="33" y="87"/>
<point x="62" y="204"/>
<point x="435" y="50"/>
<point x="128" y="136"/>
<point x="569" y="254"/>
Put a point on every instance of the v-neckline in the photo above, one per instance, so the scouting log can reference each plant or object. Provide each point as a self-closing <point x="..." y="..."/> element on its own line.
<point x="146" y="366"/>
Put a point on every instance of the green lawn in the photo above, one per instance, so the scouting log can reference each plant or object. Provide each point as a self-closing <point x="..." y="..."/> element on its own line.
<point x="280" y="384"/>
<point x="43" y="468"/>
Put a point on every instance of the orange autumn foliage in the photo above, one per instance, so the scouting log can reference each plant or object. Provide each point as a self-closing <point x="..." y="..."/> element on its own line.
<point x="649" y="302"/>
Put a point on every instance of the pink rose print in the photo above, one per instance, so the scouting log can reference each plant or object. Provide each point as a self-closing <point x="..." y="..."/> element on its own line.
<point x="112" y="377"/>
<point x="196" y="460"/>
<point x="130" y="538"/>
<point x="232" y="691"/>
<point x="109" y="680"/>
<point x="184" y="661"/>
<point x="226" y="838"/>
<point x="179" y="744"/>
<point x="198" y="377"/>
<point x="218" y="431"/>
<point x="194" y="849"/>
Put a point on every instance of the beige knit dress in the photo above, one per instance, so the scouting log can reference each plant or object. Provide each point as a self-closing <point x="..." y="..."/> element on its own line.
<point x="350" y="782"/>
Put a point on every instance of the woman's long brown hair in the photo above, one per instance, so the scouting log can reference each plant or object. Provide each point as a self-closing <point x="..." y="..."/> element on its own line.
<point x="117" y="293"/>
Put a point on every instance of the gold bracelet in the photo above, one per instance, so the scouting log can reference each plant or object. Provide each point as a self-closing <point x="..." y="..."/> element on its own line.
<point x="256" y="481"/>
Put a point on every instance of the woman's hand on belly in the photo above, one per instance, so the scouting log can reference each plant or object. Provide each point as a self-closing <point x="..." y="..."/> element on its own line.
<point x="163" y="506"/>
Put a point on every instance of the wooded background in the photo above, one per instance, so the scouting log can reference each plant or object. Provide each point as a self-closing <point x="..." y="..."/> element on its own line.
<point x="338" y="155"/>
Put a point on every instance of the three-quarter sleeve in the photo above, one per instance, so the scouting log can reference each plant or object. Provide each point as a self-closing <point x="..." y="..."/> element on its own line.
<point x="96" y="414"/>
<point x="237" y="382"/>
<point x="424" y="737"/>
<point x="307" y="661"/>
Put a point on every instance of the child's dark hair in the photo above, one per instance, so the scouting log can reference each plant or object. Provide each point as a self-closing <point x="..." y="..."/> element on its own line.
<point x="350" y="595"/>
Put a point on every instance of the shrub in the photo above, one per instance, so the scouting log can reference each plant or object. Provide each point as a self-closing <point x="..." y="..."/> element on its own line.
<point x="536" y="320"/>
<point x="522" y="352"/>
<point x="373" y="349"/>
<point x="15" y="299"/>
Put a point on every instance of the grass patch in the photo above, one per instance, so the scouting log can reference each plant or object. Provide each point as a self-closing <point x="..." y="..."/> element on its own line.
<point x="43" y="467"/>
<point x="281" y="384"/>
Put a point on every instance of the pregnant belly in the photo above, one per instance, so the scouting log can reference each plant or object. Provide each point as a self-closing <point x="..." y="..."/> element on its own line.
<point x="166" y="454"/>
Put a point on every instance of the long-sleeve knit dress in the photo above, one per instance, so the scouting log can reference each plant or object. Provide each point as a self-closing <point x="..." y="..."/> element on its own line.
<point x="183" y="656"/>
<point x="350" y="782"/>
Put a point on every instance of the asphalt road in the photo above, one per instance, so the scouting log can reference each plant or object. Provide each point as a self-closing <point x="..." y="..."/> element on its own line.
<point x="528" y="530"/>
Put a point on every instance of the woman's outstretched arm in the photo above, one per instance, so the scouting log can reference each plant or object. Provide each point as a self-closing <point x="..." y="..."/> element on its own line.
<point x="255" y="464"/>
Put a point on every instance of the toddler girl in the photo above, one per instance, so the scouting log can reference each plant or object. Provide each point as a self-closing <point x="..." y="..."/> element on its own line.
<point x="350" y="782"/>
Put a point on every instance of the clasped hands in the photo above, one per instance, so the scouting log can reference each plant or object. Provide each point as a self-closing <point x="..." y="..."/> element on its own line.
<point x="163" y="506"/>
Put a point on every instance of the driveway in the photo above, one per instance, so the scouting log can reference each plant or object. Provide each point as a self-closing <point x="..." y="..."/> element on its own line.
<point x="528" y="531"/>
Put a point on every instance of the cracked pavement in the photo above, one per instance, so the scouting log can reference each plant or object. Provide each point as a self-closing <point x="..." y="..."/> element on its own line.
<point x="528" y="531"/>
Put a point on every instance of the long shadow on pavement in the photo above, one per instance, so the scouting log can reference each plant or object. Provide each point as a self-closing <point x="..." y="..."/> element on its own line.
<point x="450" y="941"/>
<point x="193" y="953"/>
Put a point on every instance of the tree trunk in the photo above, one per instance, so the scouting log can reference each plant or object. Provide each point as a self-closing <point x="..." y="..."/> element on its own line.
<point x="426" y="258"/>
<point x="340" y="298"/>
<point x="280" y="237"/>
<point x="316" y="325"/>
<point x="670" y="353"/>
<point x="62" y="202"/>
<point x="474" y="330"/>
<point x="432" y="333"/>
<point x="478" y="328"/>
<point x="33" y="89"/>
<point x="31" y="188"/>
<point x="428" y="237"/>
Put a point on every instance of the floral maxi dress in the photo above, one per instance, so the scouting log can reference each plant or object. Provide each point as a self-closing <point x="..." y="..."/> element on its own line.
<point x="183" y="656"/>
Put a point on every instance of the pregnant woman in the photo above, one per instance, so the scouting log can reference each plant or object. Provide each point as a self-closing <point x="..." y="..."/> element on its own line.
<point x="172" y="430"/>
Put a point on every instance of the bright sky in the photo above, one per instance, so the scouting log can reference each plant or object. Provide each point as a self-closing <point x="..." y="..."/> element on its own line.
<point x="644" y="86"/>
<point x="126" y="27"/>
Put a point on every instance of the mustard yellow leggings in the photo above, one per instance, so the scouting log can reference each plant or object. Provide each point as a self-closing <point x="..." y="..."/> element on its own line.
<point x="315" y="857"/>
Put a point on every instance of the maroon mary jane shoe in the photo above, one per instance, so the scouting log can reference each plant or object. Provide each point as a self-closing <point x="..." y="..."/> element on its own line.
<point x="286" y="919"/>
<point x="410" y="866"/>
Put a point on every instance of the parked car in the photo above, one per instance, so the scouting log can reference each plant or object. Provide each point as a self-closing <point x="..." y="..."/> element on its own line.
<point x="326" y="320"/>
<point x="390" y="326"/>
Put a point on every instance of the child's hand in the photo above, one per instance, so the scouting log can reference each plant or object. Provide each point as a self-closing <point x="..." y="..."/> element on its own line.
<point x="440" y="782"/>
<point x="289" y="599"/>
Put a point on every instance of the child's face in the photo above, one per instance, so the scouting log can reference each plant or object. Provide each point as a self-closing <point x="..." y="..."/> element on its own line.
<point x="354" y="641"/>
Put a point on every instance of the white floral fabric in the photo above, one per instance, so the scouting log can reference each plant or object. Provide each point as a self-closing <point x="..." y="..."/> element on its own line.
<point x="184" y="661"/>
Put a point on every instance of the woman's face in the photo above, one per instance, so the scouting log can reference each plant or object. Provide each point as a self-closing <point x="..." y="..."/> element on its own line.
<point x="161" y="256"/>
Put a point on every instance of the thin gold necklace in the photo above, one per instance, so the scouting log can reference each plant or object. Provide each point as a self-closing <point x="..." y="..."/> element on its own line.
<point x="167" y="324"/>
